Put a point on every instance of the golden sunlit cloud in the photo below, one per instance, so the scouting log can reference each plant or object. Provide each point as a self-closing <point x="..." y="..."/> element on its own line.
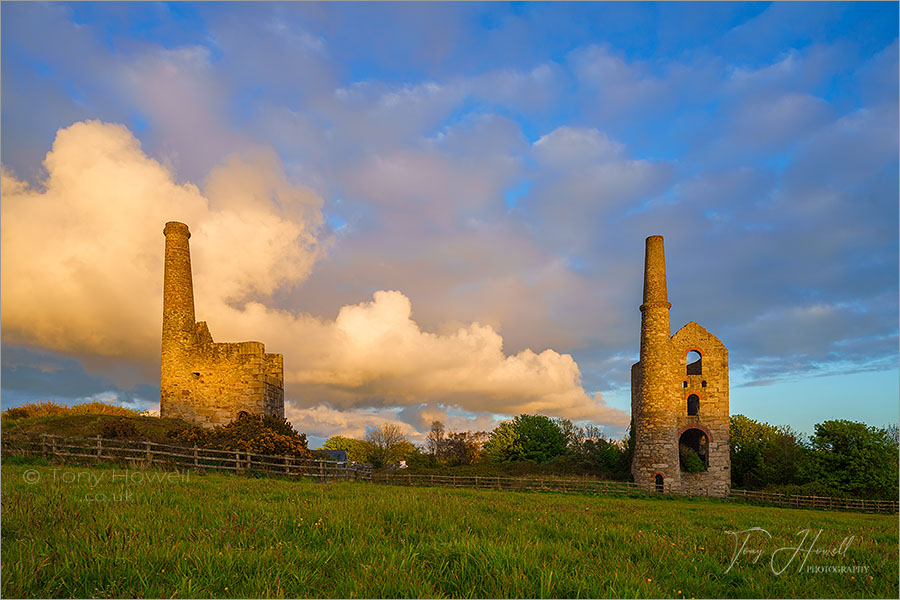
<point x="82" y="266"/>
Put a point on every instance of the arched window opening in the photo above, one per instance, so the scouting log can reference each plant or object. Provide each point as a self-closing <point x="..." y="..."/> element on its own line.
<point x="659" y="483"/>
<point x="693" y="450"/>
<point x="684" y="384"/>
<point x="694" y="363"/>
<point x="703" y="383"/>
<point x="693" y="404"/>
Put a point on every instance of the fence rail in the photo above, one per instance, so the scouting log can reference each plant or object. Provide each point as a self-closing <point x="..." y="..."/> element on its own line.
<point x="510" y="483"/>
<point x="824" y="502"/>
<point x="147" y="453"/>
<point x="628" y="488"/>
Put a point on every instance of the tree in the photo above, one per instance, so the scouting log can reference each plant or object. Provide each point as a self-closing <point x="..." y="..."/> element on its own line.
<point x="389" y="445"/>
<point x="464" y="447"/>
<point x="590" y="449"/>
<point x="435" y="442"/>
<point x="855" y="458"/>
<point x="527" y="437"/>
<point x="503" y="443"/>
<point x="763" y="454"/>
<point x="357" y="450"/>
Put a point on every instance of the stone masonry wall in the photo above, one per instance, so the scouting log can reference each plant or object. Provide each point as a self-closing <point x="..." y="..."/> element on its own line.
<point x="660" y="387"/>
<point x="202" y="381"/>
<point x="713" y="416"/>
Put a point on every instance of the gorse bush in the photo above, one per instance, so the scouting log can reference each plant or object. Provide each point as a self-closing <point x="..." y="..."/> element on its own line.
<point x="249" y="433"/>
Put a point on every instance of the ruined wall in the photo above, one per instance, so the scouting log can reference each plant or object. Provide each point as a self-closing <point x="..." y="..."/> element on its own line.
<point x="660" y="387"/>
<point x="202" y="381"/>
<point x="711" y="386"/>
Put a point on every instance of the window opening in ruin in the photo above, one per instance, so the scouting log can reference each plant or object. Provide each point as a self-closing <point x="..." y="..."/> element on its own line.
<point x="693" y="404"/>
<point x="693" y="449"/>
<point x="703" y="383"/>
<point x="196" y="375"/>
<point x="659" y="483"/>
<point x="694" y="363"/>
<point x="684" y="384"/>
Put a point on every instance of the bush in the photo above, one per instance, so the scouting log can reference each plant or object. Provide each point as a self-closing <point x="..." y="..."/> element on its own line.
<point x="690" y="462"/>
<point x="250" y="433"/>
<point x="118" y="428"/>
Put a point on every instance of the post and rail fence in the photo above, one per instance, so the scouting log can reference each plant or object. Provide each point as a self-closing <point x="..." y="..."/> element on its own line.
<point x="145" y="454"/>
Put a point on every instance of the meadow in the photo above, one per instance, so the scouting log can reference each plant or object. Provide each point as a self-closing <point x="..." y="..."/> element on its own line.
<point x="73" y="531"/>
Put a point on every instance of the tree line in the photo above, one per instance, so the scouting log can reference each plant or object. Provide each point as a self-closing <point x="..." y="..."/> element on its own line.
<point x="841" y="458"/>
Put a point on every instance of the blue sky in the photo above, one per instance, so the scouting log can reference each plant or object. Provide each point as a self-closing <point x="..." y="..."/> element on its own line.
<point x="457" y="195"/>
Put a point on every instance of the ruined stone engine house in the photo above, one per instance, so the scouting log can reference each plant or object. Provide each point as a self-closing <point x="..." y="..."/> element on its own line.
<point x="202" y="381"/>
<point x="679" y="395"/>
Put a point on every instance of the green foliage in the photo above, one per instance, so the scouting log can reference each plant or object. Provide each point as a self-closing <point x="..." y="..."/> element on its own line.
<point x="249" y="433"/>
<point x="763" y="454"/>
<point x="503" y="444"/>
<point x="690" y="461"/>
<point x="388" y="445"/>
<point x="855" y="458"/>
<point x="222" y="536"/>
<point x="590" y="449"/>
<point x="357" y="450"/>
<point x="527" y="437"/>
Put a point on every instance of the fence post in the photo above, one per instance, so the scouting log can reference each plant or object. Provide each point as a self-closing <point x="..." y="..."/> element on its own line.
<point x="44" y="444"/>
<point x="196" y="461"/>
<point x="476" y="482"/>
<point x="99" y="446"/>
<point x="149" y="453"/>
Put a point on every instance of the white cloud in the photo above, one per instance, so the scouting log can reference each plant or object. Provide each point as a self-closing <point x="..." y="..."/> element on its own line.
<point x="92" y="286"/>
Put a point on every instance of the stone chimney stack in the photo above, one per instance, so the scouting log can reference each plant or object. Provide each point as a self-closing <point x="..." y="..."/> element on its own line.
<point x="178" y="329"/>
<point x="655" y="420"/>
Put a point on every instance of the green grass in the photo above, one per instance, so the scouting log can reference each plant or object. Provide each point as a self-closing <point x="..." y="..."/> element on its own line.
<point x="154" y="429"/>
<point x="226" y="536"/>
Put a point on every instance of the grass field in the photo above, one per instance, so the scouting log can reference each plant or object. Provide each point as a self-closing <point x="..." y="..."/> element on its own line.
<point x="101" y="532"/>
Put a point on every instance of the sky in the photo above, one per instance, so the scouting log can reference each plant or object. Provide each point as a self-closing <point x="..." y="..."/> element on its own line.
<point x="438" y="210"/>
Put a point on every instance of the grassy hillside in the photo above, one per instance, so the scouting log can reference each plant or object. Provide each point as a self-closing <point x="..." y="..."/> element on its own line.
<point x="85" y="532"/>
<point x="154" y="429"/>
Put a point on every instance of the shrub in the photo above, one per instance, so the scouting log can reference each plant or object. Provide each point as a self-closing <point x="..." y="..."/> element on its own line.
<point x="118" y="428"/>
<point x="250" y="433"/>
<point x="690" y="462"/>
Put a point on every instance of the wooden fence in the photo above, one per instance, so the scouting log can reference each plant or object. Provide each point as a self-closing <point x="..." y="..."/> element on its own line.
<point x="625" y="487"/>
<point x="520" y="484"/>
<point x="145" y="454"/>
<point x="821" y="502"/>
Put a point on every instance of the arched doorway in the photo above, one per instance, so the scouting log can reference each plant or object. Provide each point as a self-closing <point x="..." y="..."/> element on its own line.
<point x="693" y="450"/>
<point x="659" y="483"/>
